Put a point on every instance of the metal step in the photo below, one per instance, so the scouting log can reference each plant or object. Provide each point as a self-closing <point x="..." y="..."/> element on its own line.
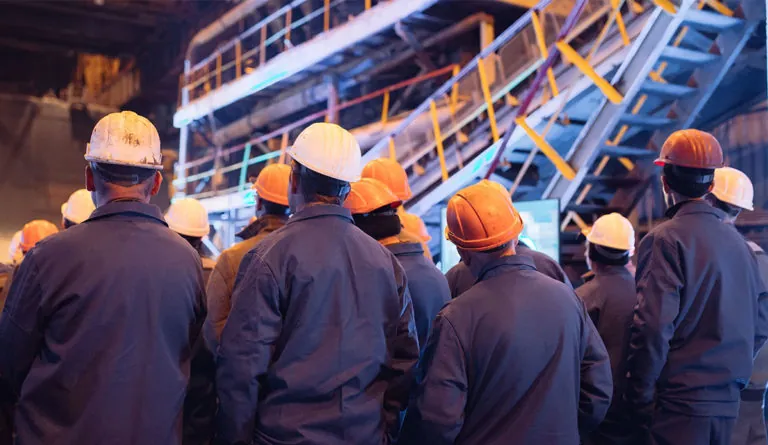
<point x="666" y="90"/>
<point x="709" y="21"/>
<point x="639" y="120"/>
<point x="626" y="151"/>
<point x="612" y="181"/>
<point x="687" y="56"/>
<point x="591" y="208"/>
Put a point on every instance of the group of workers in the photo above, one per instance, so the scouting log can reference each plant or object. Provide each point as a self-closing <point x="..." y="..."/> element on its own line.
<point x="329" y="324"/>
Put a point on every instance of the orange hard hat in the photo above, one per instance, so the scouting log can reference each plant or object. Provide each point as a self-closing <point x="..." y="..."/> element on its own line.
<point x="390" y="173"/>
<point x="413" y="224"/>
<point x="34" y="231"/>
<point x="482" y="217"/>
<point x="367" y="195"/>
<point x="691" y="148"/>
<point x="272" y="183"/>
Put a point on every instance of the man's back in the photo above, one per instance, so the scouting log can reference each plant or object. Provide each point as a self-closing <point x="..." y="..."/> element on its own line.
<point x="610" y="300"/>
<point x="694" y="333"/>
<point x="105" y="313"/>
<point x="460" y="278"/>
<point x="428" y="287"/>
<point x="508" y="364"/>
<point x="221" y="282"/>
<point x="322" y="320"/>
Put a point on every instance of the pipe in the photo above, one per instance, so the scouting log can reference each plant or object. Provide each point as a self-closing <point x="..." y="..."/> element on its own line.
<point x="221" y="24"/>
<point x="313" y="95"/>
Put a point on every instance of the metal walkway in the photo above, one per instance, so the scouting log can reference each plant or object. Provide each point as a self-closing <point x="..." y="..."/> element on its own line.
<point x="629" y="75"/>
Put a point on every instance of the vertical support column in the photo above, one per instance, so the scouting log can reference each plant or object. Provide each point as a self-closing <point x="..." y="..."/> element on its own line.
<point x="327" y="16"/>
<point x="487" y="36"/>
<point x="181" y="166"/>
<point x="333" y="99"/>
<point x="263" y="46"/>
<point x="185" y="82"/>
<point x="238" y="59"/>
<point x="438" y="139"/>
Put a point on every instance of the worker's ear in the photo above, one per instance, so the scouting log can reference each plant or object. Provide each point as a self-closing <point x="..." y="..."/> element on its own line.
<point x="664" y="184"/>
<point x="157" y="181"/>
<point x="89" y="185"/>
<point x="711" y="186"/>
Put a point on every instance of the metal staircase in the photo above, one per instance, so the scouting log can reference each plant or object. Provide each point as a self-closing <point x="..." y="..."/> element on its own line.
<point x="665" y="83"/>
<point x="630" y="74"/>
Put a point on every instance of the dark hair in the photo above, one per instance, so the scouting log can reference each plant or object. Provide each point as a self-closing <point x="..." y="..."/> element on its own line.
<point x="687" y="181"/>
<point x="195" y="241"/>
<point x="607" y="255"/>
<point x="316" y="187"/>
<point x="68" y="224"/>
<point x="272" y="208"/>
<point x="379" y="224"/>
<point x="121" y="175"/>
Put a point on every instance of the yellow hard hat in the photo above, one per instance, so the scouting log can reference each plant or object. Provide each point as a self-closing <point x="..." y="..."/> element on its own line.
<point x="481" y="217"/>
<point x="125" y="138"/>
<point x="391" y="173"/>
<point x="614" y="231"/>
<point x="35" y="231"/>
<point x="188" y="217"/>
<point x="367" y="195"/>
<point x="329" y="150"/>
<point x="272" y="183"/>
<point x="734" y="187"/>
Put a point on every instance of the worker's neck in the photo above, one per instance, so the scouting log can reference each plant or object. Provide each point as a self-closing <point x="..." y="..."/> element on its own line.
<point x="676" y="198"/>
<point x="107" y="197"/>
<point x="478" y="261"/>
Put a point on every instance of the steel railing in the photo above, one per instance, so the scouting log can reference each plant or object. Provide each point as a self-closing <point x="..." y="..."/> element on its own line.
<point x="283" y="135"/>
<point x="258" y="44"/>
<point x="522" y="60"/>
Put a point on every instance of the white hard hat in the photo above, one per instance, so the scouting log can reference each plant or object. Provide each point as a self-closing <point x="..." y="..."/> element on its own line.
<point x="614" y="231"/>
<point x="78" y="207"/>
<point x="125" y="138"/>
<point x="329" y="150"/>
<point x="733" y="187"/>
<point x="188" y="217"/>
<point x="14" y="248"/>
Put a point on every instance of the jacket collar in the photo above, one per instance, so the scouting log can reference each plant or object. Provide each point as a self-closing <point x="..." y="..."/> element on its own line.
<point x="500" y="265"/>
<point x="399" y="249"/>
<point x="135" y="208"/>
<point x="694" y="206"/>
<point x="320" y="210"/>
<point x="613" y="270"/>
<point x="265" y="223"/>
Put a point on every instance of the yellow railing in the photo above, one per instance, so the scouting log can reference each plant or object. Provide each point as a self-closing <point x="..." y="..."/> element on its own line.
<point x="209" y="163"/>
<point x="255" y="46"/>
<point x="495" y="80"/>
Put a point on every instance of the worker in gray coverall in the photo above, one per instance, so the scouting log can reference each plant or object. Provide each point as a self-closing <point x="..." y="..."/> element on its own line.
<point x="732" y="193"/>
<point x="702" y="309"/>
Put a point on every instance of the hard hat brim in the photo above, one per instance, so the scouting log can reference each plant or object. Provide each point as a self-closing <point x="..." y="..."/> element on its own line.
<point x="127" y="164"/>
<point x="323" y="172"/>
